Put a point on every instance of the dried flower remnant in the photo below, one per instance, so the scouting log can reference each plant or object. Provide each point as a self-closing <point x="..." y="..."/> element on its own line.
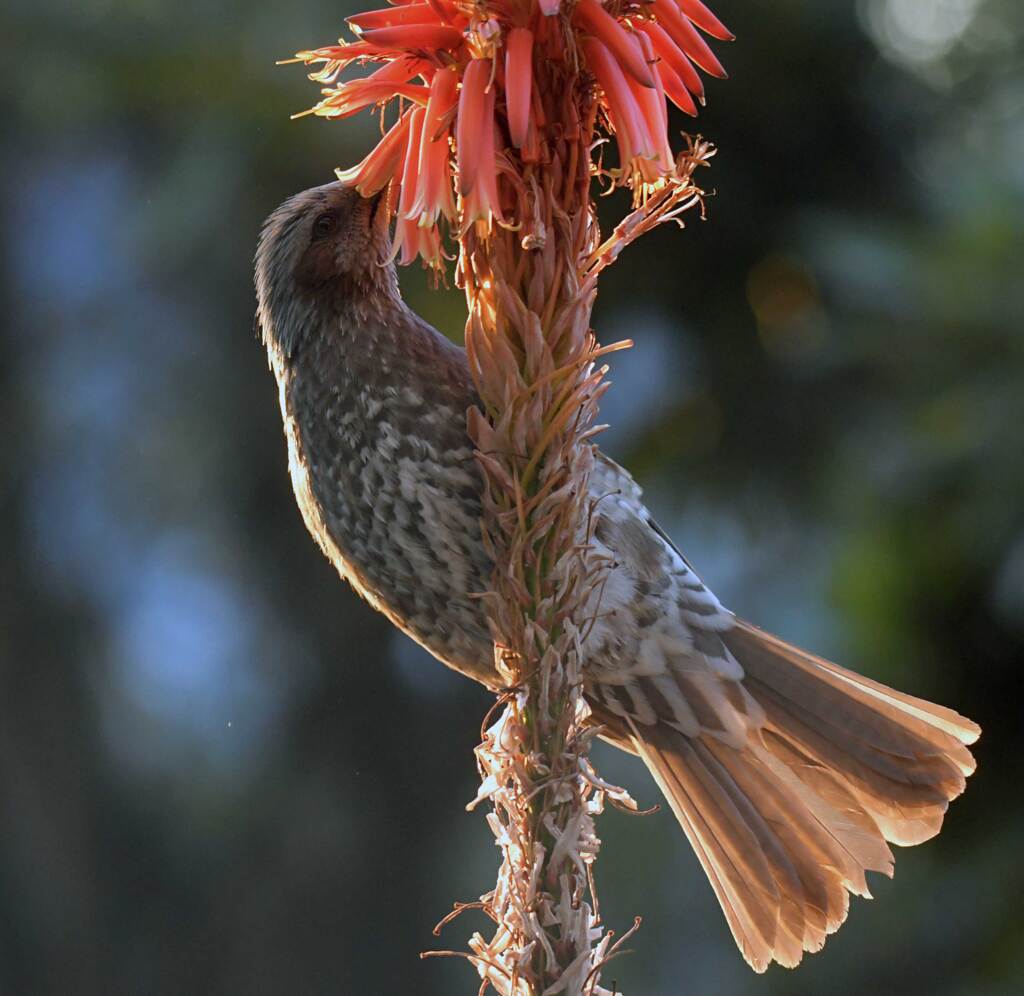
<point x="494" y="121"/>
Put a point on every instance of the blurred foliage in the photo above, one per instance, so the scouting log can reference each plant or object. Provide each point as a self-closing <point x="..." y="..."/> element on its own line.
<point x="220" y="772"/>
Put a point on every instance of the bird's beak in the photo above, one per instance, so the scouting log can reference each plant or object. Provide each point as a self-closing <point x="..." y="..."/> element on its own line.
<point x="378" y="209"/>
<point x="380" y="223"/>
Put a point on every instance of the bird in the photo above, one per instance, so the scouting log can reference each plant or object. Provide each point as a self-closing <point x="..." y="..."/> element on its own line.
<point x="789" y="774"/>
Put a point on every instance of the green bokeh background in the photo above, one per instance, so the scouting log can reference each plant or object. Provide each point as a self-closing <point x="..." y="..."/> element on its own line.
<point x="219" y="771"/>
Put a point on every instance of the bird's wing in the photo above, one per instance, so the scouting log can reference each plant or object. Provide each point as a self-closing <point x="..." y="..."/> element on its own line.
<point x="656" y="650"/>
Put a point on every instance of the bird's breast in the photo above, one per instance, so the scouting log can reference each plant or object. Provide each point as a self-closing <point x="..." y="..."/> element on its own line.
<point x="388" y="487"/>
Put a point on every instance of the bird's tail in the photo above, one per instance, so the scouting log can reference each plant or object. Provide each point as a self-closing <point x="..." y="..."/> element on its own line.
<point x="787" y="826"/>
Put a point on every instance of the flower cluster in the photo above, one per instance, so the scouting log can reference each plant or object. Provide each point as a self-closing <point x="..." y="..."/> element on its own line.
<point x="463" y="74"/>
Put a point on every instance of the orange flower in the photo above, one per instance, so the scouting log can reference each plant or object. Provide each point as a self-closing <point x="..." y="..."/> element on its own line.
<point x="686" y="36"/>
<point x="411" y="13"/>
<point x="519" y="83"/>
<point x="676" y="71"/>
<point x="472" y="107"/>
<point x="705" y="20"/>
<point x="476" y="138"/>
<point x="468" y="68"/>
<point x="434" y="186"/>
<point x="378" y="169"/>
<point x="591" y="16"/>
<point x="410" y="238"/>
<point x="627" y="118"/>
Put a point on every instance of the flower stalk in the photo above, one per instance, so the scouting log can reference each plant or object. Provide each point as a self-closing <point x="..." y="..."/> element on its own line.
<point x="503" y="108"/>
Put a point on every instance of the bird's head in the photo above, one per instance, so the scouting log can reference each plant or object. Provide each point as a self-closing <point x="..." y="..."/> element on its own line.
<point x="322" y="251"/>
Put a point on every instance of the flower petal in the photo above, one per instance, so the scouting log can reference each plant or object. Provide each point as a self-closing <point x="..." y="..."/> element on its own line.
<point x="428" y="245"/>
<point x="413" y="13"/>
<point x="685" y="35"/>
<point x="335" y="59"/>
<point x="488" y="164"/>
<point x="417" y="37"/>
<point x="444" y="10"/>
<point x="433" y="183"/>
<point x="412" y="161"/>
<point x="675" y="90"/>
<point x="655" y="113"/>
<point x="670" y="52"/>
<point x="519" y="83"/>
<point x="406" y="240"/>
<point x="705" y="19"/>
<point x="472" y="104"/>
<point x="352" y="97"/>
<point x="626" y="116"/>
<point x="346" y="53"/>
<point x="402" y="69"/>
<point x="621" y="43"/>
<point x="381" y="165"/>
<point x="482" y="203"/>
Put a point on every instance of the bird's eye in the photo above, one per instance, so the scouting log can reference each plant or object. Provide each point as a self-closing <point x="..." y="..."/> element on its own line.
<point x="325" y="224"/>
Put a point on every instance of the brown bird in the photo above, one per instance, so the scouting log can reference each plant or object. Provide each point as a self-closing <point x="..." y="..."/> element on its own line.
<point x="788" y="773"/>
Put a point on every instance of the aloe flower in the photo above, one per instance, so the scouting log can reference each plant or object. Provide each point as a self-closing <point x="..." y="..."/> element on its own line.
<point x="497" y="116"/>
<point x="463" y="77"/>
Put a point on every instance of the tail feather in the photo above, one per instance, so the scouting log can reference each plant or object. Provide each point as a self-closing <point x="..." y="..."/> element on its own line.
<point x="733" y="859"/>
<point x="787" y="824"/>
<point x="936" y="716"/>
<point x="781" y="666"/>
<point x="905" y="813"/>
